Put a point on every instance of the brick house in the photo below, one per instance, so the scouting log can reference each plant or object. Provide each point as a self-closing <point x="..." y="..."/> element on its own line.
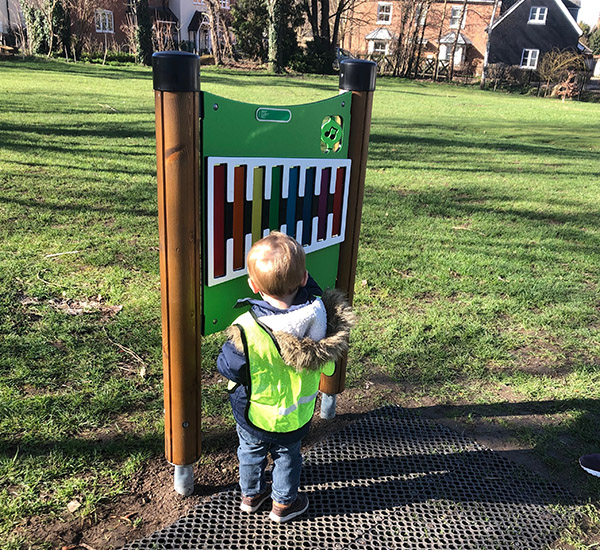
<point x="189" y="21"/>
<point x="377" y="25"/>
<point x="174" y="22"/>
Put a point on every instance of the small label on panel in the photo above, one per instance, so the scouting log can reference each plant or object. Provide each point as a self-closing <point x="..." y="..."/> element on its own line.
<point x="269" y="114"/>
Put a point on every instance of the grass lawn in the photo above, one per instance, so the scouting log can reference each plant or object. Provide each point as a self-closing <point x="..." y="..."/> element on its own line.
<point x="477" y="285"/>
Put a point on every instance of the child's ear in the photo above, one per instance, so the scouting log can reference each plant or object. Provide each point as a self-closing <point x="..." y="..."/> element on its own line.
<point x="304" y="279"/>
<point x="253" y="286"/>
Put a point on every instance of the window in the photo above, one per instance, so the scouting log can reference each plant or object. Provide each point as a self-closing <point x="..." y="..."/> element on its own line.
<point x="446" y="51"/>
<point x="537" y="16"/>
<point x="105" y="21"/>
<point x="529" y="59"/>
<point x="379" y="46"/>
<point x="456" y="18"/>
<point x="384" y="13"/>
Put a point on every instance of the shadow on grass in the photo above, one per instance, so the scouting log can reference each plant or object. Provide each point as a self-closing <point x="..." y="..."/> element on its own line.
<point x="102" y="203"/>
<point x="555" y="433"/>
<point x="53" y="139"/>
<point x="329" y="84"/>
<point x="219" y="76"/>
<point x="44" y="65"/>
<point x="90" y="449"/>
<point x="446" y="152"/>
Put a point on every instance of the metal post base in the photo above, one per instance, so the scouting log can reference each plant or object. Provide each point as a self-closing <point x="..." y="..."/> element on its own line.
<point x="184" y="480"/>
<point x="328" y="404"/>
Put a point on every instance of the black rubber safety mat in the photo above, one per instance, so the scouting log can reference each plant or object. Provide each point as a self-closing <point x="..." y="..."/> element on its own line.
<point x="391" y="480"/>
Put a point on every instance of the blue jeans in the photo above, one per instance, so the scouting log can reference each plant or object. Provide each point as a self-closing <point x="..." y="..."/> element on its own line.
<point x="287" y="464"/>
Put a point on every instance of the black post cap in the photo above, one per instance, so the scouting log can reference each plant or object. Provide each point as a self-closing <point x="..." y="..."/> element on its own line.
<point x="176" y="72"/>
<point x="357" y="75"/>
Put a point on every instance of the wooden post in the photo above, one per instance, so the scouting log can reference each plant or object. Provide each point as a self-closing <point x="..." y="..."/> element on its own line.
<point x="358" y="76"/>
<point x="177" y="86"/>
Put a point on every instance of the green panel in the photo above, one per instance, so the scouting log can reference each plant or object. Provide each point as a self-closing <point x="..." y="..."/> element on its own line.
<point x="220" y="299"/>
<point x="232" y="129"/>
<point x="323" y="264"/>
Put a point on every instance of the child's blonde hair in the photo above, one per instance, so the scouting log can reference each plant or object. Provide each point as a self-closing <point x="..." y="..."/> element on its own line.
<point x="277" y="264"/>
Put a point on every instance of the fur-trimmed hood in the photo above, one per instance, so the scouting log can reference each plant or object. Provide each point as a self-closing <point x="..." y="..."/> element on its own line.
<point x="306" y="353"/>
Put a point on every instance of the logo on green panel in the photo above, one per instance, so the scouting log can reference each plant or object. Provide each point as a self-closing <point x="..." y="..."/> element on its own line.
<point x="331" y="134"/>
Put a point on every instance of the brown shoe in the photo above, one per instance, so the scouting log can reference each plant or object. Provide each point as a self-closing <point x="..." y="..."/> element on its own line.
<point x="251" y="504"/>
<point x="282" y="513"/>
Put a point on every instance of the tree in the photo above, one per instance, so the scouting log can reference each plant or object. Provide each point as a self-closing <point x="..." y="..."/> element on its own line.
<point x="439" y="40"/>
<point x="37" y="32"/>
<point x="594" y="40"/>
<point x="213" y="21"/>
<point x="326" y="18"/>
<point x="249" y="23"/>
<point x="484" y="72"/>
<point x="413" y="18"/>
<point x="143" y="32"/>
<point x="129" y="29"/>
<point x="585" y="37"/>
<point x="284" y="17"/>
<point x="61" y="23"/>
<point x="407" y="13"/>
<point x="82" y="25"/>
<point x="225" y="24"/>
<point x="48" y="26"/>
<point x="558" y="66"/>
<point x="162" y="36"/>
<point x="422" y="17"/>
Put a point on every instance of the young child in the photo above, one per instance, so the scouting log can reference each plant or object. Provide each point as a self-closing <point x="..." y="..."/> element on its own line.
<point x="274" y="358"/>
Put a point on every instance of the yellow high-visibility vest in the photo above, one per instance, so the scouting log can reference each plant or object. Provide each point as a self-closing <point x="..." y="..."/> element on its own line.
<point x="281" y="399"/>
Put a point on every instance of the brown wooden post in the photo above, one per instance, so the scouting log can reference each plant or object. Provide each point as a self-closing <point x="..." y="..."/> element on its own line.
<point x="358" y="76"/>
<point x="177" y="86"/>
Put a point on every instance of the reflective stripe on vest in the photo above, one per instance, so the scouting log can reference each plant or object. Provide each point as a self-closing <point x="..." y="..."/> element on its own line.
<point x="280" y="399"/>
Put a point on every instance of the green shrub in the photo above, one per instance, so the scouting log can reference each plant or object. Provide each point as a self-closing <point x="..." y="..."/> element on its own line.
<point x="112" y="57"/>
<point x="317" y="58"/>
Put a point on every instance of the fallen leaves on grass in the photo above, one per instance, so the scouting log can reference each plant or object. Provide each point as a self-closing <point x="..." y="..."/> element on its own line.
<point x="76" y="307"/>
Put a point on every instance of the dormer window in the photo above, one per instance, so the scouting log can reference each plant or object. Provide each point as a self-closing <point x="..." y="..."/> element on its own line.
<point x="537" y="15"/>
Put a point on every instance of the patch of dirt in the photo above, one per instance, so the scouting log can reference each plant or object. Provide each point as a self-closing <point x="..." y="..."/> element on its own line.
<point x="151" y="503"/>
